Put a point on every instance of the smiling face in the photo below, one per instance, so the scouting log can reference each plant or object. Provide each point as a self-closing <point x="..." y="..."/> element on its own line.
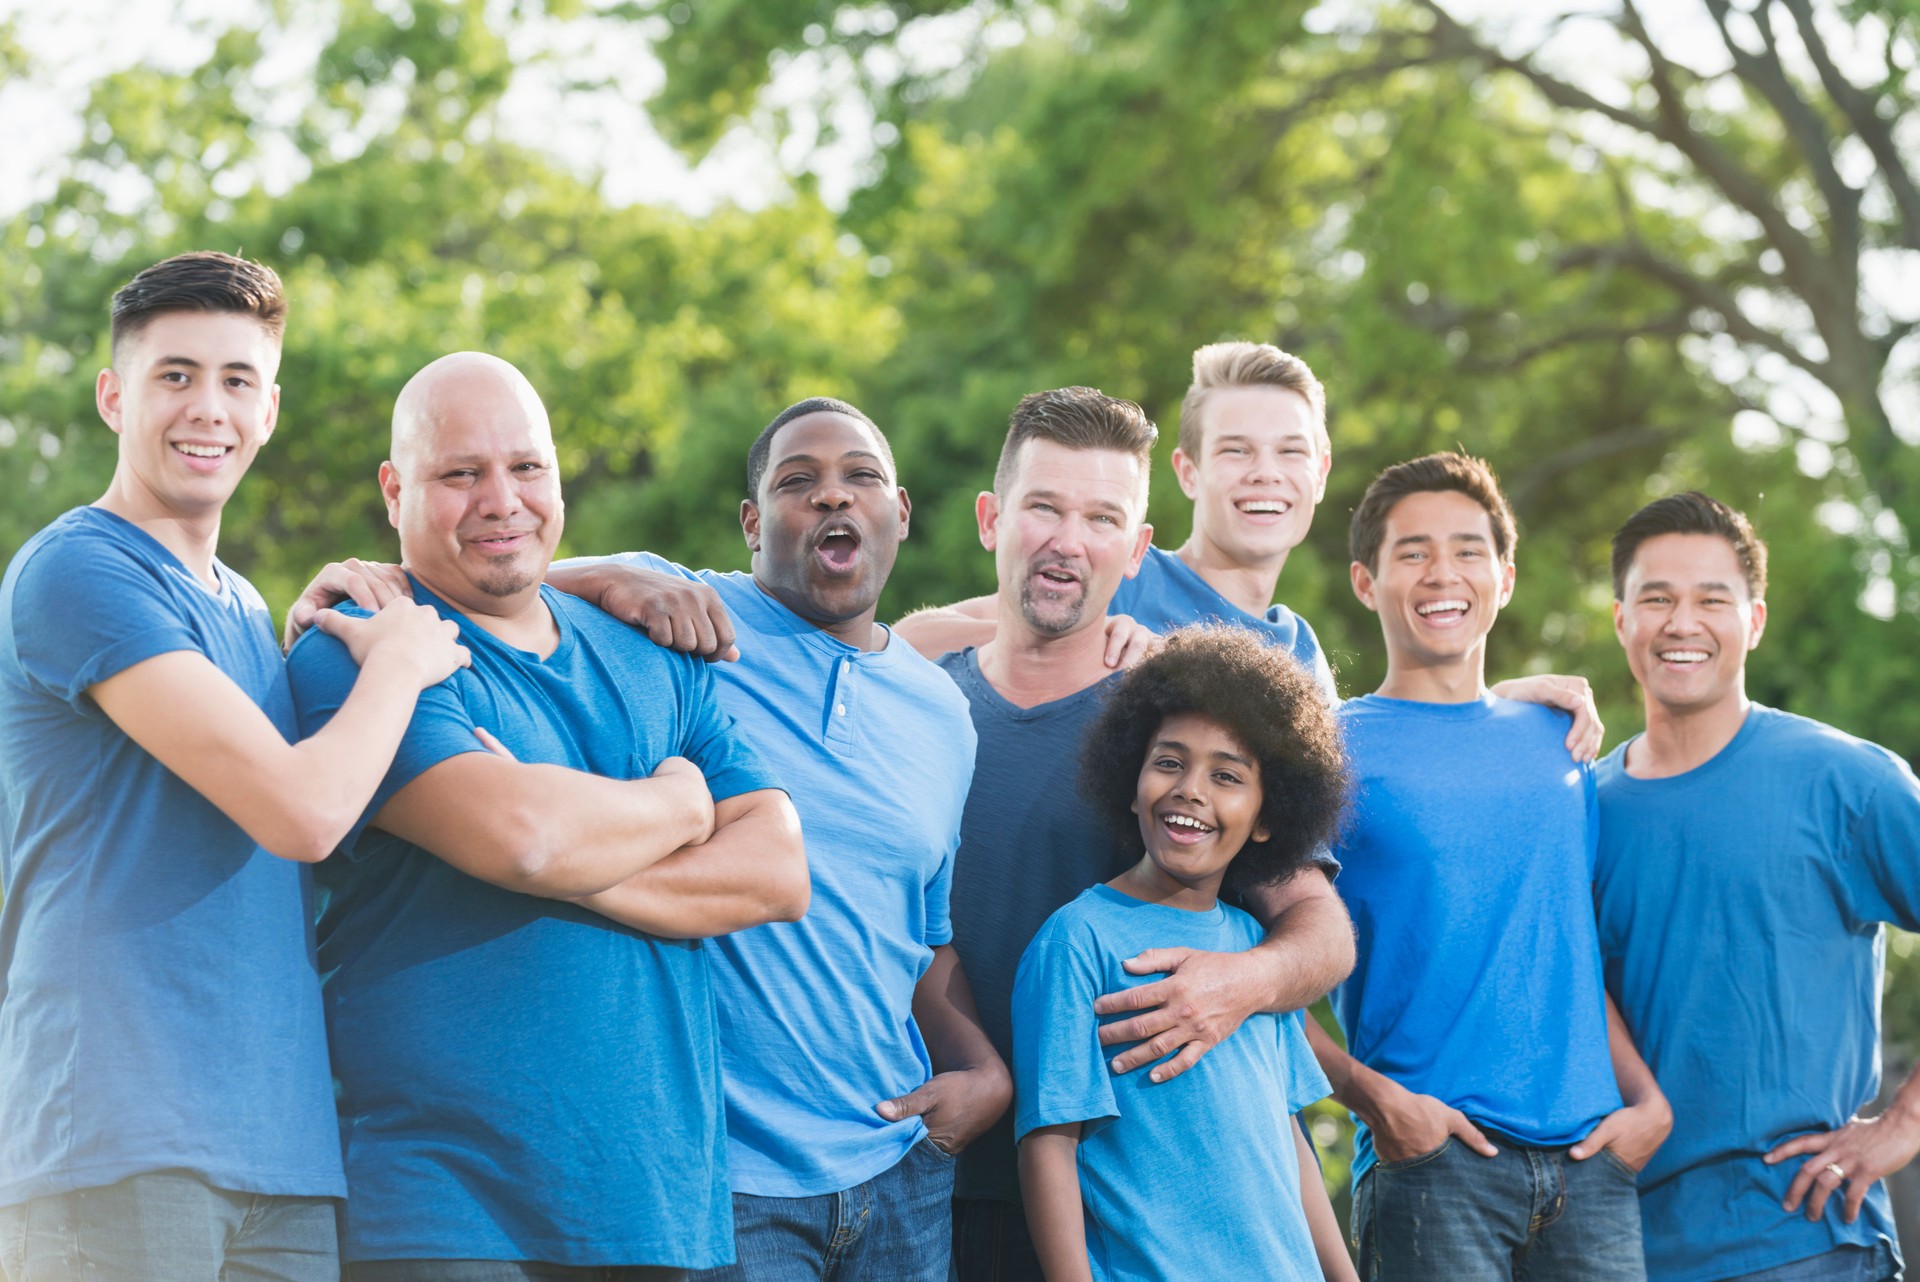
<point x="1198" y="800"/>
<point x="1438" y="584"/>
<point x="192" y="398"/>
<point x="1065" y="533"/>
<point x="1261" y="471"/>
<point x="474" y="487"/>
<point x="827" y="523"/>
<point x="1687" y="621"/>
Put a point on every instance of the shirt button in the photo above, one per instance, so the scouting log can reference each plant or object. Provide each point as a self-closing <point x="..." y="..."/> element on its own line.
<point x="840" y="710"/>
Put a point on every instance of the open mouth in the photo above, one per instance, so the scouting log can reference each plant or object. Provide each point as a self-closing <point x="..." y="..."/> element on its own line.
<point x="1184" y="828"/>
<point x="501" y="542"/>
<point x="1451" y="610"/>
<point x="1264" y="507"/>
<point x="1683" y="658"/>
<point x="202" y="454"/>
<point x="838" y="547"/>
<point x="1057" y="575"/>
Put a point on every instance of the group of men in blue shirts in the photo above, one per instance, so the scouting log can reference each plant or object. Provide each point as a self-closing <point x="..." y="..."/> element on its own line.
<point x="636" y="965"/>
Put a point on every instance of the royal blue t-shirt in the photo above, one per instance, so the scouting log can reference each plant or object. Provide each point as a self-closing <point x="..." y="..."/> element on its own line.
<point x="159" y="1008"/>
<point x="1467" y="865"/>
<point x="1196" y="1177"/>
<point x="521" y="1078"/>
<point x="1168" y="594"/>
<point x="816" y="1019"/>
<point x="1740" y="907"/>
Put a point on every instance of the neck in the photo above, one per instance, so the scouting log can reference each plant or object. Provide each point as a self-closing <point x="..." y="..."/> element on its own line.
<point x="521" y="620"/>
<point x="861" y="631"/>
<point x="1028" y="668"/>
<point x="1459" y="680"/>
<point x="1149" y="883"/>
<point x="1678" y="740"/>
<point x="1249" y="585"/>
<point x="194" y="538"/>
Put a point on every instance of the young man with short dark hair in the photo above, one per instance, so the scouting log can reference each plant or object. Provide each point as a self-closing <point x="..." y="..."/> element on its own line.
<point x="1747" y="858"/>
<point x="167" y="1109"/>
<point x="1483" y="1058"/>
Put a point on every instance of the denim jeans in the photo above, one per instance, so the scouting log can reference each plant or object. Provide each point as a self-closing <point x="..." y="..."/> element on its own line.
<point x="897" y="1227"/>
<point x="1528" y="1215"/>
<point x="169" y="1225"/>
<point x="991" y="1242"/>
<point x="1842" y="1264"/>
<point x="503" y="1271"/>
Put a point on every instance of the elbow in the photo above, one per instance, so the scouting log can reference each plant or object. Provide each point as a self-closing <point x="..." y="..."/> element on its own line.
<point x="522" y="855"/>
<point x="789" y="883"/>
<point x="305" y="834"/>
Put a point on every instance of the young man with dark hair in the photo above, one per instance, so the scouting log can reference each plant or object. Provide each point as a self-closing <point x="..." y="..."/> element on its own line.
<point x="1747" y="860"/>
<point x="1483" y="1059"/>
<point x="166" y="1108"/>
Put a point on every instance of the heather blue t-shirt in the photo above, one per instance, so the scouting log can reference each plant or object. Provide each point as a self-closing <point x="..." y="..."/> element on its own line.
<point x="1029" y="843"/>
<point x="1197" y="1177"/>
<point x="521" y="1078"/>
<point x="159" y="1008"/>
<point x="1740" y="908"/>
<point x="1167" y="594"/>
<point x="816" y="1018"/>
<point x="1467" y="865"/>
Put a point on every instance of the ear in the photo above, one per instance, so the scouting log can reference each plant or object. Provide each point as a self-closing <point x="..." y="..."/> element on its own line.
<point x="1140" y="546"/>
<point x="1363" y="584"/>
<point x="272" y="419"/>
<point x="906" y="511"/>
<point x="750" y="523"/>
<point x="1506" y="583"/>
<point x="1187" y="472"/>
<point x="1260" y="833"/>
<point x="986" y="513"/>
<point x="1620" y="623"/>
<point x="389" y="490"/>
<point x="1759" y="624"/>
<point x="1326" y="466"/>
<point x="107" y="394"/>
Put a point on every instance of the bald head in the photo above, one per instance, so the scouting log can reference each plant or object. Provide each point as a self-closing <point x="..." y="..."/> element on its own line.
<point x="472" y="484"/>
<point x="460" y="389"/>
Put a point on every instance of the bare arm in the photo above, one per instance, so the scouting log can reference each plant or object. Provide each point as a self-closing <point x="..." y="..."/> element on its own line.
<point x="1328" y="1247"/>
<point x="1636" y="1130"/>
<point x="296" y="800"/>
<point x="1404" y="1124"/>
<point x="1569" y="694"/>
<point x="1050" y="1186"/>
<point x="935" y="630"/>
<point x="970" y="1087"/>
<point x="752" y="870"/>
<point x="1866" y="1149"/>
<point x="1207" y="996"/>
<point x="549" y="830"/>
<point x="674" y="612"/>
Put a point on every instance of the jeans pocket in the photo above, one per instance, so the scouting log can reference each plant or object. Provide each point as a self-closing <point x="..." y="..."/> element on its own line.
<point x="1418" y="1159"/>
<point x="933" y="1146"/>
<point x="1619" y="1164"/>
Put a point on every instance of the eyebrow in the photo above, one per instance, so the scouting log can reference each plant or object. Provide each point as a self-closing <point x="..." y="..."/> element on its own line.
<point x="1177" y="746"/>
<point x="1661" y="585"/>
<point x="191" y="363"/>
<point x="810" y="458"/>
<point x="1240" y="438"/>
<point x="1098" y="505"/>
<point x="1428" y="538"/>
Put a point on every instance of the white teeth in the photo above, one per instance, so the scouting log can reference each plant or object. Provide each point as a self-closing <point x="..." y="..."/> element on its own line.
<point x="1683" y="656"/>
<point x="1434" y="607"/>
<point x="202" y="451"/>
<point x="1182" y="821"/>
<point x="1266" y="506"/>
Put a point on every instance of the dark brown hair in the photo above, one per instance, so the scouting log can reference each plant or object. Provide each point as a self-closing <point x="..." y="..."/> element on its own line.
<point x="1691" y="513"/>
<point x="1434" y="473"/>
<point x="1080" y="418"/>
<point x="202" y="281"/>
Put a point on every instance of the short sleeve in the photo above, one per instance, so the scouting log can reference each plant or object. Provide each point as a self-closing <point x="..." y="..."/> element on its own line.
<point x="69" y="637"/>
<point x="713" y="741"/>
<point x="322" y="673"/>
<point x="1059" y="1071"/>
<point x="1883" y="873"/>
<point x="1306" y="1083"/>
<point x="938" y="905"/>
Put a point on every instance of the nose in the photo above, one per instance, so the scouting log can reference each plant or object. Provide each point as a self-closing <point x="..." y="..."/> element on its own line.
<point x="1192" y="784"/>
<point x="1682" y="619"/>
<point x="833" y="495"/>
<point x="495" y="494"/>
<point x="206" y="404"/>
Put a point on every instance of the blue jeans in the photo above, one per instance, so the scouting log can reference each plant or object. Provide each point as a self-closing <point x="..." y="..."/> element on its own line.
<point x="167" y="1224"/>
<point x="1528" y="1215"/>
<point x="1842" y="1264"/>
<point x="503" y="1271"/>
<point x="897" y="1227"/>
<point x="991" y="1242"/>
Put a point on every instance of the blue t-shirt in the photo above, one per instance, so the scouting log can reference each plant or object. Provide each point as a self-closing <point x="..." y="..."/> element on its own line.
<point x="816" y="1020"/>
<point x="1029" y="843"/>
<point x="1467" y="864"/>
<point x="1740" y="907"/>
<point x="159" y="1007"/>
<point x="1197" y="1177"/>
<point x="1167" y="594"/>
<point x="521" y="1078"/>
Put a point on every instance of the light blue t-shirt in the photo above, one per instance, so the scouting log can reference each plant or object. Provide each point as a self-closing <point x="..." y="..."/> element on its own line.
<point x="1197" y="1177"/>
<point x="1167" y="594"/>
<point x="1467" y="865"/>
<point x="816" y="1019"/>
<point x="159" y="1007"/>
<point x="1740" y="907"/>
<point x="521" y="1078"/>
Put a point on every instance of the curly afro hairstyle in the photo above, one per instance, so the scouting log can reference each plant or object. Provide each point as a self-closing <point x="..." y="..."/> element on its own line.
<point x="1262" y="697"/>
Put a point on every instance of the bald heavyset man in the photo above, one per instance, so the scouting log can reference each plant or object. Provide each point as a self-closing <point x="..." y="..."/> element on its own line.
<point x="517" y="999"/>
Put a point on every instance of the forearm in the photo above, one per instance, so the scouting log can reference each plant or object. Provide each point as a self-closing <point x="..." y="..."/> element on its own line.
<point x="1355" y="1086"/>
<point x="1050" y="1187"/>
<point x="752" y="870"/>
<point x="1309" y="944"/>
<point x="942" y="629"/>
<point x="1324" y="1227"/>
<point x="582" y="576"/>
<point x="1630" y="1071"/>
<point x="949" y="1023"/>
